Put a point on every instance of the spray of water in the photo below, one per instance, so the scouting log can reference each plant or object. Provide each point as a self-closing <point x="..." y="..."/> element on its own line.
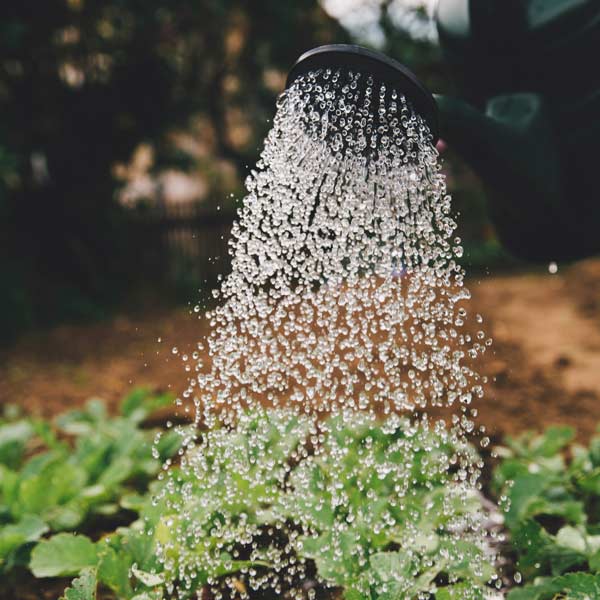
<point x="345" y="304"/>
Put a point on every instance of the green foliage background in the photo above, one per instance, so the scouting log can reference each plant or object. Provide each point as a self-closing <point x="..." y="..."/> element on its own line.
<point x="79" y="497"/>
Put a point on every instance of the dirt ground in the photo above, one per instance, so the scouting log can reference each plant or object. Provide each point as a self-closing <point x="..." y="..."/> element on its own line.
<point x="544" y="364"/>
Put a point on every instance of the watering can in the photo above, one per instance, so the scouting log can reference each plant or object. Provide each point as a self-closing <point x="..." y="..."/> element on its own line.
<point x="529" y="123"/>
<point x="529" y="120"/>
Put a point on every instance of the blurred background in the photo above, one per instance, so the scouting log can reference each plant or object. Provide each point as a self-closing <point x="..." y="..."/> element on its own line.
<point x="127" y="128"/>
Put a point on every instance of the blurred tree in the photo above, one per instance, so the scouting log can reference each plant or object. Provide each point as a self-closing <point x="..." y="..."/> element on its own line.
<point x="82" y="84"/>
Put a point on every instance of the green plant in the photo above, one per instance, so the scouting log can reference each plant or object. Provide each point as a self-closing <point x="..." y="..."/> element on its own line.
<point x="384" y="532"/>
<point x="63" y="477"/>
<point x="325" y="492"/>
<point x="241" y="486"/>
<point x="373" y="509"/>
<point x="552" y="491"/>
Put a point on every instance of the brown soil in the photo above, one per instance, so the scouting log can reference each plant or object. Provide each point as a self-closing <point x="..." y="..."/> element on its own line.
<point x="544" y="365"/>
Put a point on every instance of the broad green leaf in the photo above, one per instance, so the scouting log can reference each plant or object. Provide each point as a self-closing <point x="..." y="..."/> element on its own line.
<point x="579" y="586"/>
<point x="148" y="579"/>
<point x="134" y="404"/>
<point x="46" y="432"/>
<point x="573" y="586"/>
<point x="13" y="438"/>
<point x="92" y="452"/>
<point x="540" y="553"/>
<point x="140" y="546"/>
<point x="63" y="555"/>
<point x="594" y="562"/>
<point x="168" y="444"/>
<point x="66" y="517"/>
<point x="9" y="487"/>
<point x="20" y="431"/>
<point x="55" y="482"/>
<point x="524" y="490"/>
<point x="119" y="470"/>
<point x="84" y="422"/>
<point x="461" y="557"/>
<point x="391" y="566"/>
<point x="553" y="440"/>
<point x="589" y="482"/>
<point x="38" y="463"/>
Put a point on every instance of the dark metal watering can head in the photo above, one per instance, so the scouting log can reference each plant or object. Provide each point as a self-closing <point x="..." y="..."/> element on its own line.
<point x="380" y="67"/>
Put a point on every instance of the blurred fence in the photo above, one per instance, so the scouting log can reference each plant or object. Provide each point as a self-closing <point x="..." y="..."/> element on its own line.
<point x="187" y="240"/>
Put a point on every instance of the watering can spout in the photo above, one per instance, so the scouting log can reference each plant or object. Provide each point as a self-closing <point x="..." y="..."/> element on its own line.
<point x="511" y="146"/>
<point x="534" y="139"/>
<point x="510" y="140"/>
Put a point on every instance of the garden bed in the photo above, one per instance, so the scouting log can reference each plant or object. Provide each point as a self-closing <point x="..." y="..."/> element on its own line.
<point x="542" y="369"/>
<point x="75" y="502"/>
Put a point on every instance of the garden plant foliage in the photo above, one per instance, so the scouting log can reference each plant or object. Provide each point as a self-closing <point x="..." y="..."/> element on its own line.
<point x="63" y="477"/>
<point x="62" y="482"/>
<point x="552" y="490"/>
<point x="107" y="471"/>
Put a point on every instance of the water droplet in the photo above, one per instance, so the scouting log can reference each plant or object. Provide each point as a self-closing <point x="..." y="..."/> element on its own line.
<point x="518" y="577"/>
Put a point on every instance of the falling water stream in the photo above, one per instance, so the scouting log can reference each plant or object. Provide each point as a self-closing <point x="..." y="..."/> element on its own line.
<point x="345" y="297"/>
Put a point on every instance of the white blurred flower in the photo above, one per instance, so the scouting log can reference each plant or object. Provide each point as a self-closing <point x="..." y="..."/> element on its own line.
<point x="361" y="17"/>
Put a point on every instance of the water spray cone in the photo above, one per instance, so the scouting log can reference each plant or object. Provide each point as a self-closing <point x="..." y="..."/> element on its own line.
<point x="345" y="309"/>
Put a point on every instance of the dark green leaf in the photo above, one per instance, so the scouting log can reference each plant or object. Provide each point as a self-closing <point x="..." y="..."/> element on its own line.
<point x="13" y="438"/>
<point x="29" y="529"/>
